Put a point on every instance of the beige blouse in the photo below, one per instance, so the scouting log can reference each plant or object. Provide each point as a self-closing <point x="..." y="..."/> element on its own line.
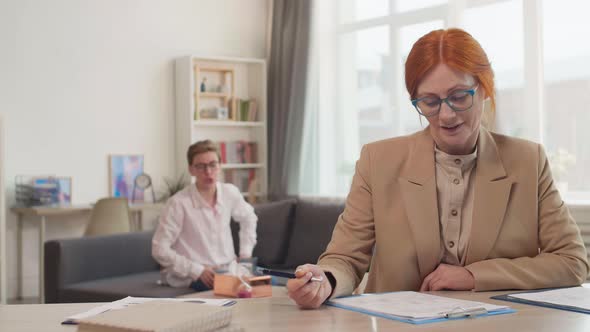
<point x="455" y="203"/>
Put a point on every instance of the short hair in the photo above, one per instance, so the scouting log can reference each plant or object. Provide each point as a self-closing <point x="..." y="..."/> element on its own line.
<point x="457" y="49"/>
<point x="201" y="147"/>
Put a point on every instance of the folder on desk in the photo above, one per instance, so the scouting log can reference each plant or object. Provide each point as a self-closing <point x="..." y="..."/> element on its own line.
<point x="571" y="299"/>
<point x="417" y="308"/>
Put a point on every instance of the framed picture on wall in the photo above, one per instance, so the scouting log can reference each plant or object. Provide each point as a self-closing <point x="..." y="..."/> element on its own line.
<point x="123" y="169"/>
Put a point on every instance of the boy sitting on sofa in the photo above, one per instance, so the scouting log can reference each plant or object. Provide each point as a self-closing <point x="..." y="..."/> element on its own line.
<point x="193" y="237"/>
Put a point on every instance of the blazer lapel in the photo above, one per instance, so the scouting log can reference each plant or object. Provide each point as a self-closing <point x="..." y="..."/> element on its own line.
<point x="418" y="187"/>
<point x="492" y="192"/>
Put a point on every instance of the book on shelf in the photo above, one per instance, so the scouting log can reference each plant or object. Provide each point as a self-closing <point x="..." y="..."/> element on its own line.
<point x="241" y="178"/>
<point x="238" y="152"/>
<point x="245" y="110"/>
<point x="159" y="316"/>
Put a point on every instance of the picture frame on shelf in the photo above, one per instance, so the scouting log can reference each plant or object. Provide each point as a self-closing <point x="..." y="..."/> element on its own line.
<point x="123" y="169"/>
<point x="64" y="195"/>
<point x="222" y="113"/>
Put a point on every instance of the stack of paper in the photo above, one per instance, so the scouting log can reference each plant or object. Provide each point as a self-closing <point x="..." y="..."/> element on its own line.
<point x="159" y="316"/>
<point x="417" y="308"/>
<point x="131" y="301"/>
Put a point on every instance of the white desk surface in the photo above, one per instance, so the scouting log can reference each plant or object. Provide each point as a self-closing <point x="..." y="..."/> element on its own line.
<point x="280" y="314"/>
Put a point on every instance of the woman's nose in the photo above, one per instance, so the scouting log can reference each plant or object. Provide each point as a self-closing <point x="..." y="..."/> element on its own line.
<point x="446" y="112"/>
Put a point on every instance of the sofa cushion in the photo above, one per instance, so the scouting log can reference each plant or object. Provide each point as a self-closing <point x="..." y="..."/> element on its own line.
<point x="312" y="230"/>
<point x="272" y="231"/>
<point x="110" y="289"/>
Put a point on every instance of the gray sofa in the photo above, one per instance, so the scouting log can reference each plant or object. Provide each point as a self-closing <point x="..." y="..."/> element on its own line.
<point x="107" y="268"/>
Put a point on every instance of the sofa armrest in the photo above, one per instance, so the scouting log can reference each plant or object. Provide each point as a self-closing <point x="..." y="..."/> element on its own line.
<point x="75" y="260"/>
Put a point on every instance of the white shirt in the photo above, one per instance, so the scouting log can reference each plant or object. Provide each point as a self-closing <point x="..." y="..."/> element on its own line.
<point x="192" y="234"/>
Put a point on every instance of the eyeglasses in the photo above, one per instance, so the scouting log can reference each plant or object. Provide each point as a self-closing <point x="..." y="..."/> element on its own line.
<point x="201" y="167"/>
<point x="458" y="101"/>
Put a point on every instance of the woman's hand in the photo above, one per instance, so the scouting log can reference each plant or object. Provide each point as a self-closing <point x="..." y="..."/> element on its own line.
<point x="306" y="293"/>
<point x="449" y="277"/>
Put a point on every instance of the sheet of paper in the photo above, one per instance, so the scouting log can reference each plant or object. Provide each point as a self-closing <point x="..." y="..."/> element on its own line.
<point x="129" y="300"/>
<point x="413" y="305"/>
<point x="573" y="297"/>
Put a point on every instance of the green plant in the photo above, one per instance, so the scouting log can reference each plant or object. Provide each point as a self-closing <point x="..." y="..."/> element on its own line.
<point x="172" y="185"/>
<point x="560" y="162"/>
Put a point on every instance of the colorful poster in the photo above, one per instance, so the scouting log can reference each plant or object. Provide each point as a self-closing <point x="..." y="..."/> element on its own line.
<point x="123" y="169"/>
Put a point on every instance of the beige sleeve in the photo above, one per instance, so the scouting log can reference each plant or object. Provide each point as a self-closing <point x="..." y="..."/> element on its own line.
<point x="349" y="252"/>
<point x="562" y="257"/>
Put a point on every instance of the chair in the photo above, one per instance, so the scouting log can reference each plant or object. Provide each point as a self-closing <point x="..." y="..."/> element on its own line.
<point x="109" y="216"/>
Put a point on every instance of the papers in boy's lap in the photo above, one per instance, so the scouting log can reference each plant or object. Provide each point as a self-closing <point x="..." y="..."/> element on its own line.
<point x="129" y="300"/>
<point x="417" y="308"/>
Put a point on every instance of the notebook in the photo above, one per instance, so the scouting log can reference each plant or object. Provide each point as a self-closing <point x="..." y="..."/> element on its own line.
<point x="159" y="316"/>
<point x="131" y="301"/>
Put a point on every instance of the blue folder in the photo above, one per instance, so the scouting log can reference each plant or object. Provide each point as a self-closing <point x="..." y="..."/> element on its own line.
<point x="466" y="315"/>
<point x="508" y="297"/>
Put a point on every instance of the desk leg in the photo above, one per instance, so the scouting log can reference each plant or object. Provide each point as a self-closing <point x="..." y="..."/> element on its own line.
<point x="42" y="260"/>
<point x="140" y="220"/>
<point x="19" y="257"/>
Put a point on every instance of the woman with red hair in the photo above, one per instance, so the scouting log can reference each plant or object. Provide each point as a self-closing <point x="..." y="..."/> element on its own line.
<point x="454" y="206"/>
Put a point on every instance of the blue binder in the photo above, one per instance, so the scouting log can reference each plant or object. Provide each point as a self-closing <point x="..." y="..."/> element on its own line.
<point x="510" y="298"/>
<point x="479" y="312"/>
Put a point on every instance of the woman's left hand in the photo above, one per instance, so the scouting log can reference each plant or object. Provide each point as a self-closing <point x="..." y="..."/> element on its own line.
<point x="449" y="277"/>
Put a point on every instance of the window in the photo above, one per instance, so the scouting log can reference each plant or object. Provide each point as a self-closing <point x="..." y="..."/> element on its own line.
<point x="539" y="59"/>
<point x="566" y="91"/>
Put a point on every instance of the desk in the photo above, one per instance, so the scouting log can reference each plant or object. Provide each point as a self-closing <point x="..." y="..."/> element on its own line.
<point x="59" y="211"/>
<point x="280" y="314"/>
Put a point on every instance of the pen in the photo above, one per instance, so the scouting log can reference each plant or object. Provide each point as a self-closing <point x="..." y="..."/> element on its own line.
<point x="286" y="274"/>
<point x="466" y="313"/>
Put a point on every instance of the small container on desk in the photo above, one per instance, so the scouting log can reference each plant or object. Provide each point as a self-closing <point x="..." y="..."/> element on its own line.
<point x="231" y="285"/>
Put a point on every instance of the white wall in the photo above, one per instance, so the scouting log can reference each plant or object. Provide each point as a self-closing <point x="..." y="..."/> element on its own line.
<point x="81" y="79"/>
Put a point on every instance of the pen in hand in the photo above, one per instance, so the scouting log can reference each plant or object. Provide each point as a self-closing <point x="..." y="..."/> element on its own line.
<point x="286" y="274"/>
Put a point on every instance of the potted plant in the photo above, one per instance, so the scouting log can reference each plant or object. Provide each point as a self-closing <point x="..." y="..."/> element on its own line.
<point x="172" y="185"/>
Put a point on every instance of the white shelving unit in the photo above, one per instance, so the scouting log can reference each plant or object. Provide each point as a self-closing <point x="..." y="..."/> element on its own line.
<point x="228" y="79"/>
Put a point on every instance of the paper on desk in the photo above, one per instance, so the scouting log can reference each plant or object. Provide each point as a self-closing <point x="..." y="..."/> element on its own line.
<point x="573" y="297"/>
<point x="412" y="305"/>
<point x="129" y="300"/>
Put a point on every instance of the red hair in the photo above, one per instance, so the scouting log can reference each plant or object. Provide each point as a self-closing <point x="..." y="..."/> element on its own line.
<point x="457" y="49"/>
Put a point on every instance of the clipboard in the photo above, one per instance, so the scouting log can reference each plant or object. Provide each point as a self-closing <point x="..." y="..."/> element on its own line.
<point x="510" y="298"/>
<point x="459" y="309"/>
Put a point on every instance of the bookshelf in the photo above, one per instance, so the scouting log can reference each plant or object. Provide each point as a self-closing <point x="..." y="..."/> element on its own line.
<point x="224" y="99"/>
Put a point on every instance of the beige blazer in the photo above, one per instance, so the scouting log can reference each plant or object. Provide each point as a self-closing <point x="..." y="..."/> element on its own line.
<point x="522" y="237"/>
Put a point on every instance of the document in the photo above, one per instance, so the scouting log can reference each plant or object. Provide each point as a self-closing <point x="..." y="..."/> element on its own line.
<point x="129" y="301"/>
<point x="572" y="299"/>
<point x="417" y="308"/>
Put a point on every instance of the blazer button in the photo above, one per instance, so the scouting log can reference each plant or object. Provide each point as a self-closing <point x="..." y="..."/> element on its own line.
<point x="456" y="181"/>
<point x="454" y="212"/>
<point x="457" y="161"/>
<point x="451" y="244"/>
